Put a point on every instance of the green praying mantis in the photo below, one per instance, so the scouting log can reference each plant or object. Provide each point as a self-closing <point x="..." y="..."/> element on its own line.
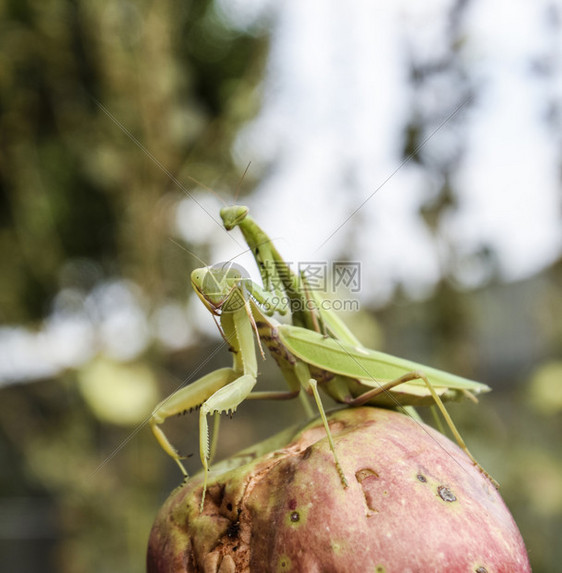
<point x="309" y="312"/>
<point x="316" y="351"/>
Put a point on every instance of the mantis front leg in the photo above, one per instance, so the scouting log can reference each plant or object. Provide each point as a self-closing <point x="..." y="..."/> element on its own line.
<point x="227" y="399"/>
<point x="187" y="399"/>
<point x="217" y="392"/>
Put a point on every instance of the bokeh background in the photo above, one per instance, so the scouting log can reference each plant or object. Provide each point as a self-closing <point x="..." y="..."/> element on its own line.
<point x="421" y="140"/>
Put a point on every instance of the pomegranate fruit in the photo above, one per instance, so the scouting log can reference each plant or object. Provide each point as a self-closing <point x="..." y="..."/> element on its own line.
<point x="415" y="502"/>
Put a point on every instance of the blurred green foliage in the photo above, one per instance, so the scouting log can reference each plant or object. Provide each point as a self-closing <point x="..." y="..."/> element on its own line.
<point x="81" y="203"/>
<point x="72" y="184"/>
<point x="101" y="105"/>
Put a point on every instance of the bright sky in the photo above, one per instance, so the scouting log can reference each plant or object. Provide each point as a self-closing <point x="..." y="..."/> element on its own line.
<point x="335" y="100"/>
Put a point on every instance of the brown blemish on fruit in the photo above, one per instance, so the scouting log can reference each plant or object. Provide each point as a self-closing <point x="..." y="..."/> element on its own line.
<point x="365" y="473"/>
<point x="296" y="518"/>
<point x="216" y="492"/>
<point x="233" y="530"/>
<point x="288" y="471"/>
<point x="365" y="477"/>
<point x="446" y="494"/>
<point x="481" y="570"/>
<point x="284" y="563"/>
<point x="421" y="478"/>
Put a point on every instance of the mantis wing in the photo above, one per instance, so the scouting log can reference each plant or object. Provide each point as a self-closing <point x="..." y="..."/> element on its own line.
<point x="369" y="366"/>
<point x="333" y="323"/>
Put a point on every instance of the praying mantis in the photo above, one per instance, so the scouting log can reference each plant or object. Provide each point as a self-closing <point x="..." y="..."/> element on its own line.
<point x="308" y="312"/>
<point x="316" y="350"/>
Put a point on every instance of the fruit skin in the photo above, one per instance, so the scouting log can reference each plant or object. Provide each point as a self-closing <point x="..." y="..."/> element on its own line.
<point x="414" y="503"/>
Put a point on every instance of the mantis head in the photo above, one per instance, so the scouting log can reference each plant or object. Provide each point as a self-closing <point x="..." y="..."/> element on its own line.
<point x="220" y="286"/>
<point x="233" y="216"/>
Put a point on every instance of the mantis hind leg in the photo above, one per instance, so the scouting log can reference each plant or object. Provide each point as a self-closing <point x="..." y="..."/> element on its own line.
<point x="416" y="375"/>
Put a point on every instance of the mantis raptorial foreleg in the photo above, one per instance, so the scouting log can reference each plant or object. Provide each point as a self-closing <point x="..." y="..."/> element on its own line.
<point x="186" y="399"/>
<point x="214" y="438"/>
<point x="226" y="399"/>
<point x="219" y="391"/>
